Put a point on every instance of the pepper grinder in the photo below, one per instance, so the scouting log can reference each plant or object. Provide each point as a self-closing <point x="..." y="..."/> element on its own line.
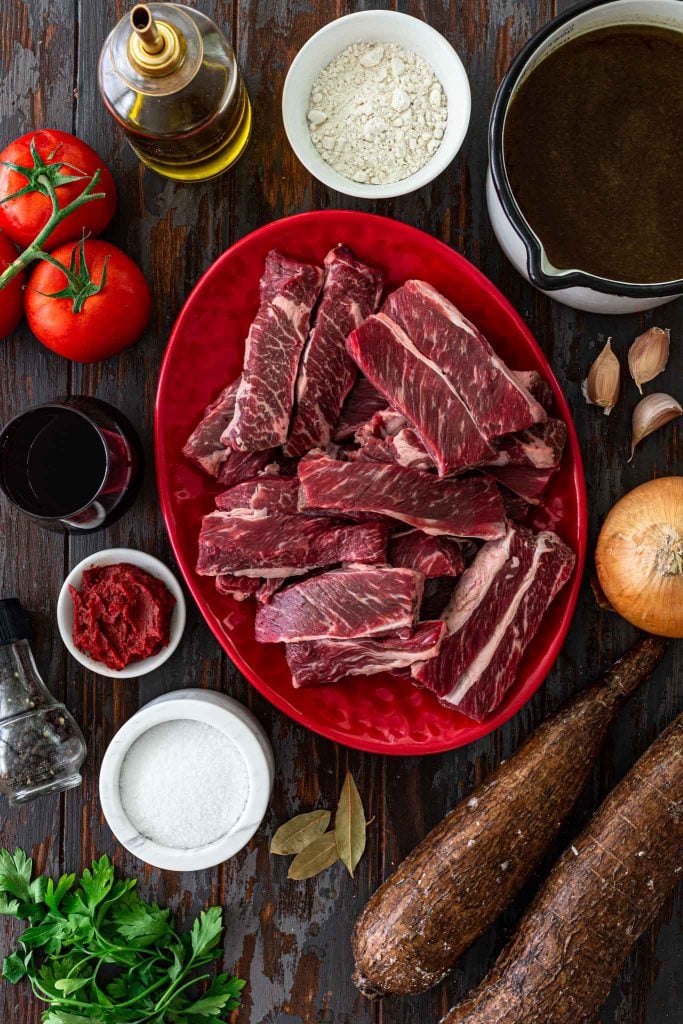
<point x="169" y="77"/>
<point x="41" y="747"/>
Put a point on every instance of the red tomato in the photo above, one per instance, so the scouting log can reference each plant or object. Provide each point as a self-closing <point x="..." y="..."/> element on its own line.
<point x="59" y="155"/>
<point x="12" y="295"/>
<point x="113" y="315"/>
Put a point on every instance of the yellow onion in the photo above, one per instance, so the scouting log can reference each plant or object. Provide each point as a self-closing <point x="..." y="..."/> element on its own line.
<point x="639" y="557"/>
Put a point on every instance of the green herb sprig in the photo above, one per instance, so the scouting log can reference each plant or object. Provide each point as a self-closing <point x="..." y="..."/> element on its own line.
<point x="94" y="951"/>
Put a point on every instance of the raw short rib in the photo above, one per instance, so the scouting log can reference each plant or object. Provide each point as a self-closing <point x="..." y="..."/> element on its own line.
<point x="363" y="400"/>
<point x="351" y="292"/>
<point x="540" y="447"/>
<point x="205" y="448"/>
<point x="252" y="543"/>
<point x="525" y="481"/>
<point x="499" y="404"/>
<point x="416" y="386"/>
<point x="343" y="604"/>
<point x="537" y="386"/>
<point x="388" y="437"/>
<point x="494" y="613"/>
<point x="274" y="494"/>
<point x="326" y="661"/>
<point x="432" y="556"/>
<point x="263" y="407"/>
<point x="459" y="508"/>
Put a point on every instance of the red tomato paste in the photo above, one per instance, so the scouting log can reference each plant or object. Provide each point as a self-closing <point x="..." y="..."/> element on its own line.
<point x="121" y="614"/>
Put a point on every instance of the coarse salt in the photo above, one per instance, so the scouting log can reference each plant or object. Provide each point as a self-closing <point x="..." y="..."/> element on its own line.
<point x="183" y="784"/>
<point x="377" y="113"/>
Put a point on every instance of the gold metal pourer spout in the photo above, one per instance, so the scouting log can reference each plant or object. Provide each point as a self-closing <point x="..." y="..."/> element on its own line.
<point x="154" y="47"/>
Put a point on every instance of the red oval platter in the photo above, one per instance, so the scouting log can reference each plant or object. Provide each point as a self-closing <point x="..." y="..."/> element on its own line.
<point x="380" y="714"/>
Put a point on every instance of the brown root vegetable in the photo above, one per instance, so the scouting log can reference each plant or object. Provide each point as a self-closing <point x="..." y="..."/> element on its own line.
<point x="468" y="869"/>
<point x="602" y="894"/>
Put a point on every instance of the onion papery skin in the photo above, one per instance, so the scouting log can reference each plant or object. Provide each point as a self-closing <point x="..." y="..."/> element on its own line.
<point x="639" y="557"/>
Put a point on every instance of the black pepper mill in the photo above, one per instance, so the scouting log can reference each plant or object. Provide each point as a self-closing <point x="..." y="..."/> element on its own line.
<point x="41" y="746"/>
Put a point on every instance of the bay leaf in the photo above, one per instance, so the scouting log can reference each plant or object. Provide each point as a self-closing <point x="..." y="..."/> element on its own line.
<point x="320" y="854"/>
<point x="349" y="825"/>
<point x="295" y="835"/>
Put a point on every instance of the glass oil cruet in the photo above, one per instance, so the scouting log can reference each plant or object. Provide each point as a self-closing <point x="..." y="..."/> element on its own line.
<point x="169" y="77"/>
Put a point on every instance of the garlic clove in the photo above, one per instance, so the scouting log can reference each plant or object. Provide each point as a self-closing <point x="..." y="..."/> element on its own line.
<point x="651" y="413"/>
<point x="648" y="355"/>
<point x="601" y="386"/>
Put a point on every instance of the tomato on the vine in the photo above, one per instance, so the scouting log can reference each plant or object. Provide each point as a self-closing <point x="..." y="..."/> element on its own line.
<point x="87" y="301"/>
<point x="12" y="295"/>
<point x="45" y="160"/>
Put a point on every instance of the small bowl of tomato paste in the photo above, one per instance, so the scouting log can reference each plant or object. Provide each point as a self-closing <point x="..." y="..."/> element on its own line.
<point x="121" y="613"/>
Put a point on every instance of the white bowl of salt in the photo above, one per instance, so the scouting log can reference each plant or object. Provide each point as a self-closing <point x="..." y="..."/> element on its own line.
<point x="186" y="782"/>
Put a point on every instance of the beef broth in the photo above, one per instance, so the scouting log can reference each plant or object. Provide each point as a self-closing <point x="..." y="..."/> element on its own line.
<point x="593" y="147"/>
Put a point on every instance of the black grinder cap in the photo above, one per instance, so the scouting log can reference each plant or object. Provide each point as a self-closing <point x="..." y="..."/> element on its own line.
<point x="14" y="624"/>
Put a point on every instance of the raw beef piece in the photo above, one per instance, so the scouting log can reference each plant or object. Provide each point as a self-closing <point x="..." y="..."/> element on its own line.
<point x="540" y="446"/>
<point x="363" y="400"/>
<point x="516" y="509"/>
<point x="497" y="401"/>
<point x="432" y="556"/>
<point x="342" y="604"/>
<point x="205" y="447"/>
<point x="460" y="508"/>
<point x="239" y="587"/>
<point x="252" y="543"/>
<point x="242" y="587"/>
<point x="351" y="292"/>
<point x="494" y="613"/>
<point x="326" y="661"/>
<point x="204" y="444"/>
<point x="537" y="386"/>
<point x="275" y="494"/>
<point x="388" y="437"/>
<point x="263" y="406"/>
<point x="404" y="449"/>
<point x="525" y="481"/>
<point x="416" y="386"/>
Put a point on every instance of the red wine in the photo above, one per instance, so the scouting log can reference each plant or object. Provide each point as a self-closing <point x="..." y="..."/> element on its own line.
<point x="73" y="465"/>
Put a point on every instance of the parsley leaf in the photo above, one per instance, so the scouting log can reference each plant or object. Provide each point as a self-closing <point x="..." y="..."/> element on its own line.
<point x="79" y="927"/>
<point x="15" y="875"/>
<point x="206" y="931"/>
<point x="222" y="995"/>
<point x="142" y="922"/>
<point x="13" y="968"/>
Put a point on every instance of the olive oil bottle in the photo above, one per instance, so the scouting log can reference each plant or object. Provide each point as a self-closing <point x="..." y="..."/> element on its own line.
<point x="169" y="77"/>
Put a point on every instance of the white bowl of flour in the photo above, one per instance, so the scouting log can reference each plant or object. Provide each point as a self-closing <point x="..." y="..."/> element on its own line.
<point x="376" y="104"/>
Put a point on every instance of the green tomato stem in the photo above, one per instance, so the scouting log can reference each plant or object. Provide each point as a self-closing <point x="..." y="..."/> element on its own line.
<point x="34" y="250"/>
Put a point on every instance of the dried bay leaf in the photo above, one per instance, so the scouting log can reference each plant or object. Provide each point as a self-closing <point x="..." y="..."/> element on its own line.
<point x="320" y="854"/>
<point x="295" y="835"/>
<point x="350" y="826"/>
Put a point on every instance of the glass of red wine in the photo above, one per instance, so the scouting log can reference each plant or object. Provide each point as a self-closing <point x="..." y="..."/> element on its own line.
<point x="72" y="465"/>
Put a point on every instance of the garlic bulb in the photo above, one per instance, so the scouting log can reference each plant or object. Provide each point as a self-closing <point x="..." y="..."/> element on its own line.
<point x="601" y="386"/>
<point x="648" y="355"/>
<point x="651" y="413"/>
<point x="639" y="557"/>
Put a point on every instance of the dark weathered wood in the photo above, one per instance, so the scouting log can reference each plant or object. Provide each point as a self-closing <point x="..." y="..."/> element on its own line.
<point x="291" y="940"/>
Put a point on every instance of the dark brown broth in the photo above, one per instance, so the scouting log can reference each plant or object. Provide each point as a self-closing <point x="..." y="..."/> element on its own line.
<point x="593" y="147"/>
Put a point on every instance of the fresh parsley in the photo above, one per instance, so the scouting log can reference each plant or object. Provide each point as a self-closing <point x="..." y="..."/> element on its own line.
<point x="94" y="951"/>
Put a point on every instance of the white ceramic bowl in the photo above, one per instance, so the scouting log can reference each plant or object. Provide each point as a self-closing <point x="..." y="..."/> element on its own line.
<point x="243" y="730"/>
<point x="111" y="556"/>
<point x="383" y="27"/>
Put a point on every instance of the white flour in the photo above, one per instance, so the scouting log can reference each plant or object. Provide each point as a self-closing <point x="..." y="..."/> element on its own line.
<point x="377" y="113"/>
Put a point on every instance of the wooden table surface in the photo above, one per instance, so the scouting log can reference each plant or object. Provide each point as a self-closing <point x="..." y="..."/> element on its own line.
<point x="291" y="940"/>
